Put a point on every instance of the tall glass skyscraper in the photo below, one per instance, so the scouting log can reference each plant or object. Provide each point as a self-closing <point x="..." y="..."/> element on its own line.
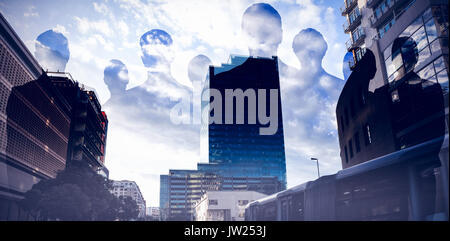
<point x="238" y="146"/>
<point x="245" y="142"/>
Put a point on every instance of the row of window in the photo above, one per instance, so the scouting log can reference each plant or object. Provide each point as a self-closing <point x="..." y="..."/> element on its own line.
<point x="426" y="43"/>
<point x="383" y="9"/>
<point x="354" y="106"/>
<point x="385" y="27"/>
<point x="216" y="202"/>
<point x="426" y="32"/>
<point x="349" y="153"/>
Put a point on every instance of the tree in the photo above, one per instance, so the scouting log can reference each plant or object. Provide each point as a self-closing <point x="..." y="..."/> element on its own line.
<point x="129" y="209"/>
<point x="77" y="193"/>
<point x="65" y="202"/>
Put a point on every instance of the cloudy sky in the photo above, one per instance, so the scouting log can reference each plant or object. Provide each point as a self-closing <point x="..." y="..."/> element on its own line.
<point x="98" y="31"/>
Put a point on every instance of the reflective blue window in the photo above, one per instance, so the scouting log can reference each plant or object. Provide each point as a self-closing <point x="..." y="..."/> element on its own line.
<point x="431" y="30"/>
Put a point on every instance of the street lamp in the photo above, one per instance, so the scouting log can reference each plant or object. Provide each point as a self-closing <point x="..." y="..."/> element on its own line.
<point x="317" y="160"/>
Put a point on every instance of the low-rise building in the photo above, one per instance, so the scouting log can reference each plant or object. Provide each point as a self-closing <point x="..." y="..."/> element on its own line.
<point x="224" y="205"/>
<point x="153" y="213"/>
<point x="184" y="188"/>
<point x="126" y="188"/>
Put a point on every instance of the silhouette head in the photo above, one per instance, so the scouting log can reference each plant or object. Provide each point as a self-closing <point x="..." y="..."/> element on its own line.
<point x="309" y="45"/>
<point x="198" y="68"/>
<point x="261" y="24"/>
<point x="52" y="50"/>
<point x="367" y="65"/>
<point x="156" y="48"/>
<point x="406" y="49"/>
<point x="116" y="76"/>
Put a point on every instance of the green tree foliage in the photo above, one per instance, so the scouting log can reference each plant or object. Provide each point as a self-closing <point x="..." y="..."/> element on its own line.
<point x="129" y="209"/>
<point x="78" y="193"/>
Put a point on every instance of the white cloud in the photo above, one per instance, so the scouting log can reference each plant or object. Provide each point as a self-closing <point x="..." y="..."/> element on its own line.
<point x="31" y="12"/>
<point x="100" y="8"/>
<point x="123" y="27"/>
<point x="85" y="26"/>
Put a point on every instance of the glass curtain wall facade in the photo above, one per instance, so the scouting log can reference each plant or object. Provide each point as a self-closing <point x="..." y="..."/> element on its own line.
<point x="430" y="33"/>
<point x="164" y="196"/>
<point x="240" y="150"/>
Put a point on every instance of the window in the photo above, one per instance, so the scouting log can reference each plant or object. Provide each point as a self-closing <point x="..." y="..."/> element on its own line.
<point x="357" y="145"/>
<point x="420" y="38"/>
<point x="357" y="34"/>
<point x="435" y="46"/>
<point x="425" y="36"/>
<point x="439" y="64"/>
<point x="431" y="30"/>
<point x="353" y="15"/>
<point x="360" y="53"/>
<point x="385" y="27"/>
<point x="213" y="202"/>
<point x="367" y="134"/>
<point x="423" y="56"/>
<point x="350" y="148"/>
<point x="427" y="72"/>
<point x="390" y="68"/>
<point x="412" y="28"/>
<point x="349" y="2"/>
<point x="382" y="8"/>
<point x="242" y="202"/>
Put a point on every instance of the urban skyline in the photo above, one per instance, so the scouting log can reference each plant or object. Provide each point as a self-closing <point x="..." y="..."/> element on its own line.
<point x="81" y="62"/>
<point x="382" y="119"/>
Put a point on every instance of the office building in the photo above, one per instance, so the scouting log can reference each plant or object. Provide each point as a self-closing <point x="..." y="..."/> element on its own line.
<point x="34" y="124"/>
<point x="89" y="125"/>
<point x="397" y="94"/>
<point x="382" y="112"/>
<point x="47" y="121"/>
<point x="238" y="146"/>
<point x="224" y="205"/>
<point x="186" y="187"/>
<point x="245" y="152"/>
<point x="164" y="197"/>
<point x="126" y="188"/>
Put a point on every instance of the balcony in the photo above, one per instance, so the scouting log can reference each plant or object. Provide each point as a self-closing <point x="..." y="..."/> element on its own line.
<point x="352" y="44"/>
<point x="349" y="27"/>
<point x="348" y="6"/>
